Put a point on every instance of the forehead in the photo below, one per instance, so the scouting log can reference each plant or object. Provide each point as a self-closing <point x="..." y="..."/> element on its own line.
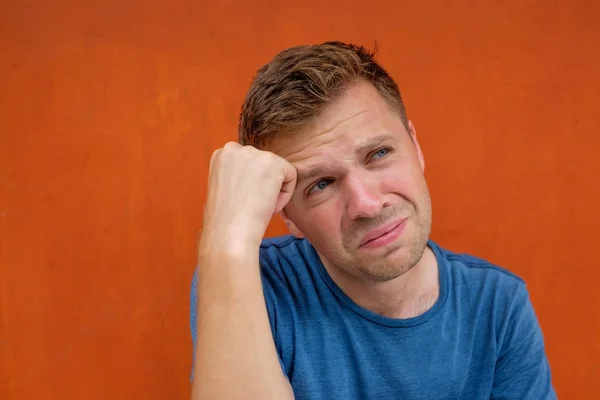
<point x="360" y="118"/>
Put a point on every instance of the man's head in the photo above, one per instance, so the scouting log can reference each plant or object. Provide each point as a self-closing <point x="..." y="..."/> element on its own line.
<point x="334" y="113"/>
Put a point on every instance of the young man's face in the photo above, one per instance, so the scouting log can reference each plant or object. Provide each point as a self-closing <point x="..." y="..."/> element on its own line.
<point x="361" y="197"/>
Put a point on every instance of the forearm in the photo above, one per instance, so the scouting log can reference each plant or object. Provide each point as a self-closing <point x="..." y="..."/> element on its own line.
<point x="235" y="354"/>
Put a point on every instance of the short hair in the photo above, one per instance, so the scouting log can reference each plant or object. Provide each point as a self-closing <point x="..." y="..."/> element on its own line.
<point x="290" y="91"/>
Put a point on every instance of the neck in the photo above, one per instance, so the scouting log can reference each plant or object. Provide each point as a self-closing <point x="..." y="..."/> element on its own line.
<point x="408" y="295"/>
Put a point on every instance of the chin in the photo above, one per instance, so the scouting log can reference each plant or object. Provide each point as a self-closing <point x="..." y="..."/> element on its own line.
<point x="383" y="268"/>
<point x="375" y="266"/>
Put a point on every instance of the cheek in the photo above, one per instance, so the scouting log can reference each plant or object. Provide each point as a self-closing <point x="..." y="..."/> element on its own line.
<point x="323" y="222"/>
<point x="401" y="181"/>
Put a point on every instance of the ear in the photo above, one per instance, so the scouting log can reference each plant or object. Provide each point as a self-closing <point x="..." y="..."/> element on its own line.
<point x="290" y="224"/>
<point x="413" y="136"/>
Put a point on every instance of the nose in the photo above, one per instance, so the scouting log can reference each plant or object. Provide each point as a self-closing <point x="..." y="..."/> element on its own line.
<point x="363" y="198"/>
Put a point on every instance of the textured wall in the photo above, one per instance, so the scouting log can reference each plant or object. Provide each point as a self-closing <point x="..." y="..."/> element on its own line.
<point x="110" y="110"/>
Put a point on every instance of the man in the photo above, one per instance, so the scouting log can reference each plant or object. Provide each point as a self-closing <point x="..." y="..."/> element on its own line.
<point x="358" y="302"/>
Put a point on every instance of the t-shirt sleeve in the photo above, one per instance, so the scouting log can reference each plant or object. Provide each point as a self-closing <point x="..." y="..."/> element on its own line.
<point x="522" y="369"/>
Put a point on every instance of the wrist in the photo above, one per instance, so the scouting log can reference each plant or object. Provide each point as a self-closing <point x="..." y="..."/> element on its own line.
<point x="236" y="248"/>
<point x="237" y="237"/>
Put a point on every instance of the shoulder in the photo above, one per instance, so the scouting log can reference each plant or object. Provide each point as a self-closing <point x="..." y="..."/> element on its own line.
<point x="475" y="269"/>
<point x="481" y="285"/>
<point x="500" y="297"/>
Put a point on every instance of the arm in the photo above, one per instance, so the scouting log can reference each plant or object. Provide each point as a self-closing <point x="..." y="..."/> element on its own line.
<point x="235" y="356"/>
<point x="522" y="369"/>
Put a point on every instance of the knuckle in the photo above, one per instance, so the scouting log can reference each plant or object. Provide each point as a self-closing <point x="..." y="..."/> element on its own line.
<point x="271" y="157"/>
<point x="247" y="149"/>
<point x="273" y="163"/>
<point x="215" y="157"/>
<point x="266" y="158"/>
<point x="231" y="146"/>
<point x="228" y="145"/>
<point x="250" y="153"/>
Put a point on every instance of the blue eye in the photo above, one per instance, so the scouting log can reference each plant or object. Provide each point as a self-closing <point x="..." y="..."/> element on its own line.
<point x="322" y="184"/>
<point x="381" y="153"/>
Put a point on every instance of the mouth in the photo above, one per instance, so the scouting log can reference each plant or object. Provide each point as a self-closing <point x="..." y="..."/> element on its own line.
<point x="382" y="236"/>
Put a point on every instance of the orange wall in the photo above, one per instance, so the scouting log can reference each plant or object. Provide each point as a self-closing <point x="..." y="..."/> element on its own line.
<point x="110" y="110"/>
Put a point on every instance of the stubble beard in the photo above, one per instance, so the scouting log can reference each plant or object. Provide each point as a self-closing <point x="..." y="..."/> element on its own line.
<point x="402" y="257"/>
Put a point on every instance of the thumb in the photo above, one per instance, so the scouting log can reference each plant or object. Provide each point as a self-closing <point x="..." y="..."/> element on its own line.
<point x="287" y="187"/>
<point x="282" y="200"/>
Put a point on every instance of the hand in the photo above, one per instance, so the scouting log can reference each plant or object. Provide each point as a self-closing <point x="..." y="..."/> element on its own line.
<point x="246" y="187"/>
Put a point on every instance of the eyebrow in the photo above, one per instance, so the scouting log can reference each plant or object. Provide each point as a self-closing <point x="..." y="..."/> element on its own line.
<point x="310" y="174"/>
<point x="375" y="141"/>
<point x="367" y="145"/>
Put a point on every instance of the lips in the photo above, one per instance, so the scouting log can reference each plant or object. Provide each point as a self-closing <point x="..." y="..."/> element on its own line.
<point x="377" y="233"/>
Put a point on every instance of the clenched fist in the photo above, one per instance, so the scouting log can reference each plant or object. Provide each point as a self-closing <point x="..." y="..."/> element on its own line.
<point x="246" y="186"/>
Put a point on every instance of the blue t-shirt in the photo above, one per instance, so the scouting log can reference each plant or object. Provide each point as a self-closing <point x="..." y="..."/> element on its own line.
<point x="480" y="340"/>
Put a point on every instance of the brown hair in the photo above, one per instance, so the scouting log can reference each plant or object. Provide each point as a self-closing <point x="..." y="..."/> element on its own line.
<point x="293" y="89"/>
